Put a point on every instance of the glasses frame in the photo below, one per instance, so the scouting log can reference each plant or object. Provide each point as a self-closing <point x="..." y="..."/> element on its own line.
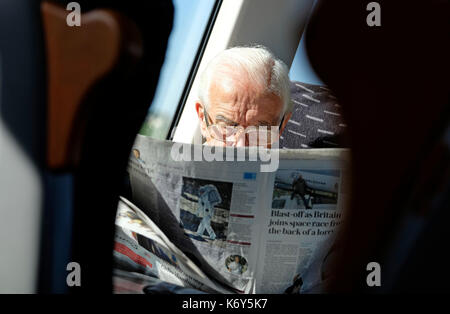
<point x="208" y="124"/>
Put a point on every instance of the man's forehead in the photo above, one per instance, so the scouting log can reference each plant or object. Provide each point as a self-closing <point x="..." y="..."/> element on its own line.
<point x="263" y="110"/>
<point x="238" y="100"/>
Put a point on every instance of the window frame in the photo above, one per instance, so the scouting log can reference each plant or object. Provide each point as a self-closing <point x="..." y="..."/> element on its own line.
<point x="194" y="69"/>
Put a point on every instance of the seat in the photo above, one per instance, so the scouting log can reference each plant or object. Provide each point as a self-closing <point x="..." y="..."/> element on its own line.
<point x="316" y="120"/>
<point x="75" y="99"/>
<point x="392" y="84"/>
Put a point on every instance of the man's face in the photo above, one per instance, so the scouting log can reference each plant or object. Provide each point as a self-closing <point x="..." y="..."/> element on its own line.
<point x="236" y="259"/>
<point x="234" y="102"/>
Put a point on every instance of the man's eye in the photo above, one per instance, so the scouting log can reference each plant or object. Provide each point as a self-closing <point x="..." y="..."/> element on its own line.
<point x="226" y="126"/>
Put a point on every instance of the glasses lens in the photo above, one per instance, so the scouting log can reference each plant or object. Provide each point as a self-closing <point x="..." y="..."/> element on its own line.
<point x="261" y="136"/>
<point x="223" y="133"/>
<point x="254" y="136"/>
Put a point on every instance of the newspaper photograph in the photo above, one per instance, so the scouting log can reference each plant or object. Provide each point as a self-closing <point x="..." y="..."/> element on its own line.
<point x="306" y="189"/>
<point x="205" y="209"/>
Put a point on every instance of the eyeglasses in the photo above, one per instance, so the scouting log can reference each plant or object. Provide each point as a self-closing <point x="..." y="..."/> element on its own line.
<point x="253" y="135"/>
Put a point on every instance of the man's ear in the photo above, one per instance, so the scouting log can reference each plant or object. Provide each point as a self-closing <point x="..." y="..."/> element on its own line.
<point x="285" y="121"/>
<point x="201" y="118"/>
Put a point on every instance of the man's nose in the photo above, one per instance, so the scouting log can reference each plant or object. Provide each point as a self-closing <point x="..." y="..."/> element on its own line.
<point x="240" y="141"/>
<point x="236" y="141"/>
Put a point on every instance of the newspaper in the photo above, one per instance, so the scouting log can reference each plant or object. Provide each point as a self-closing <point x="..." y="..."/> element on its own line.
<point x="250" y="231"/>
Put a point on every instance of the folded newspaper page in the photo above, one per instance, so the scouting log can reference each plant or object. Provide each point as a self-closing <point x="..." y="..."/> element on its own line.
<point x="141" y="247"/>
<point x="249" y="229"/>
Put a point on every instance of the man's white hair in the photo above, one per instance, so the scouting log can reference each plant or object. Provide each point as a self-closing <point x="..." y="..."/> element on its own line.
<point x="261" y="66"/>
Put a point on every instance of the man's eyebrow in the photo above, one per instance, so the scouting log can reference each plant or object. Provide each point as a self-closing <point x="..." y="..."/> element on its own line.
<point x="226" y="120"/>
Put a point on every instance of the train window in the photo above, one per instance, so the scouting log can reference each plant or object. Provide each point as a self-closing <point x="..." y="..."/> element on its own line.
<point x="301" y="69"/>
<point x="190" y="24"/>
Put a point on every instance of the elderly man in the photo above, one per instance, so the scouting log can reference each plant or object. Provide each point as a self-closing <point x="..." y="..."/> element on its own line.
<point x="244" y="91"/>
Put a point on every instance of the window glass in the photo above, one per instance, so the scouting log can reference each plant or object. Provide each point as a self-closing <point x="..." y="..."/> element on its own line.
<point x="301" y="69"/>
<point x="190" y="21"/>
